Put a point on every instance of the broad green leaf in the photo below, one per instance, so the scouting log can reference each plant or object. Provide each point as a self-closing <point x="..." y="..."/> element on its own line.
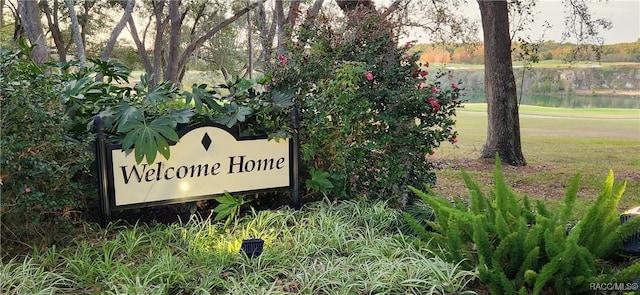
<point x="127" y="116"/>
<point x="226" y="199"/>
<point x="233" y="114"/>
<point x="149" y="139"/>
<point x="264" y="79"/>
<point x="200" y="96"/>
<point x="244" y="85"/>
<point x="180" y="116"/>
<point x="163" y="146"/>
<point x="319" y="181"/>
<point x="222" y="211"/>
<point x="164" y="127"/>
<point x="160" y="93"/>
<point x="145" y="146"/>
<point x="282" y="98"/>
<point x="129" y="140"/>
<point x="76" y="88"/>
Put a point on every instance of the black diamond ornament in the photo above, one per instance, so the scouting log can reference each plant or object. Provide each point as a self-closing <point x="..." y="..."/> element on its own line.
<point x="206" y="141"/>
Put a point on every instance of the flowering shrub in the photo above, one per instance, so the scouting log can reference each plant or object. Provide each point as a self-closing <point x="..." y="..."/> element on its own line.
<point x="371" y="114"/>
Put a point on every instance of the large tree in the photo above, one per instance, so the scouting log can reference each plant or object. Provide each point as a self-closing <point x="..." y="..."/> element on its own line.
<point x="503" y="128"/>
<point x="32" y="26"/>
<point x="77" y="34"/>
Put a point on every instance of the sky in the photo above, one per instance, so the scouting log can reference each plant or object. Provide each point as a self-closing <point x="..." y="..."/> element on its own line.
<point x="624" y="14"/>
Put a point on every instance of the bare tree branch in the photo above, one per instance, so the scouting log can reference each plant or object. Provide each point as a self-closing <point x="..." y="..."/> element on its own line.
<point x="392" y="8"/>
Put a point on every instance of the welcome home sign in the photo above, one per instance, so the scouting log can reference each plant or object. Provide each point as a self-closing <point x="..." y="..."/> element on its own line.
<point x="208" y="160"/>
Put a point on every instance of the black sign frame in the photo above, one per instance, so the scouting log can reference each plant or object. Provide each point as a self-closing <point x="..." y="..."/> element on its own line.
<point x="106" y="173"/>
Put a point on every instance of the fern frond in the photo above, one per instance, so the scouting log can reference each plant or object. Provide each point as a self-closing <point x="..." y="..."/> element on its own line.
<point x="570" y="199"/>
<point x="416" y="227"/>
<point x="546" y="274"/>
<point x="553" y="243"/>
<point x="534" y="238"/>
<point x="591" y="224"/>
<point x="613" y="241"/>
<point x="502" y="229"/>
<point x="629" y="274"/>
<point x="530" y="262"/>
<point x="481" y="239"/>
<point x="501" y="254"/>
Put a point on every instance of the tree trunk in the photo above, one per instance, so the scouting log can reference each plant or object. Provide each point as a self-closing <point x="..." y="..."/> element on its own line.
<point x="54" y="28"/>
<point x="77" y="37"/>
<point x="279" y="18"/>
<point x="126" y="15"/>
<point x="503" y="129"/>
<point x="1" y="14"/>
<point x="30" y="16"/>
<point x="175" y="25"/>
<point x="249" y="45"/>
<point x="158" y="44"/>
<point x="313" y="12"/>
<point x="266" y="34"/>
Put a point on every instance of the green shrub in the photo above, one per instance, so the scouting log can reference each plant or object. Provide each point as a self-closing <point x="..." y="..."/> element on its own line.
<point x="44" y="169"/>
<point x="370" y="113"/>
<point x="519" y="247"/>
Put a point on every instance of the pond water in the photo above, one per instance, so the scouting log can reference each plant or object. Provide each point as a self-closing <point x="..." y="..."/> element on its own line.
<point x="570" y="101"/>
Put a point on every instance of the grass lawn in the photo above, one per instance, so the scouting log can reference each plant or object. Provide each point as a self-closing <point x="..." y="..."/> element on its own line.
<point x="557" y="144"/>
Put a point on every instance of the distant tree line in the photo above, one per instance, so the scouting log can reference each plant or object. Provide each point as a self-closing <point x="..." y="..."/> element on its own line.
<point x="547" y="50"/>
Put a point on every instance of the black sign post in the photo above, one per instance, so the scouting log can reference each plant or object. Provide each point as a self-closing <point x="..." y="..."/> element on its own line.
<point x="101" y="159"/>
<point x="296" y="201"/>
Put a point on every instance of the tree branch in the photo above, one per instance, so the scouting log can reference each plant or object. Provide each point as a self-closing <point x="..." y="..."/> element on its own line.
<point x="126" y="15"/>
<point x="195" y="44"/>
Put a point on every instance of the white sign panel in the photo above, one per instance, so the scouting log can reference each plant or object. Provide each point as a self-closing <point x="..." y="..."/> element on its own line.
<point x="206" y="161"/>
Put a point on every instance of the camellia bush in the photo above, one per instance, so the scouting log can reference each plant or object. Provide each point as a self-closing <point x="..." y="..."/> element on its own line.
<point x="371" y="114"/>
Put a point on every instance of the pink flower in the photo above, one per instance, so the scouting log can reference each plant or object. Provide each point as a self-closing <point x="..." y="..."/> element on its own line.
<point x="422" y="85"/>
<point x="368" y="75"/>
<point x="283" y="59"/>
<point x="27" y="190"/>
<point x="407" y="57"/>
<point x="407" y="46"/>
<point x="434" y="90"/>
<point x="423" y="74"/>
<point x="433" y="103"/>
<point x="454" y="85"/>
<point x="453" y="140"/>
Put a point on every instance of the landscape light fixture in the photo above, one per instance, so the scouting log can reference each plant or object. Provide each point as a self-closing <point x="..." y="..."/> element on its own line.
<point x="632" y="243"/>
<point x="252" y="247"/>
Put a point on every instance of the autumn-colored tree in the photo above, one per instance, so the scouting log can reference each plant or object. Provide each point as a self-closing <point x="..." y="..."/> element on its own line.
<point x="435" y="55"/>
